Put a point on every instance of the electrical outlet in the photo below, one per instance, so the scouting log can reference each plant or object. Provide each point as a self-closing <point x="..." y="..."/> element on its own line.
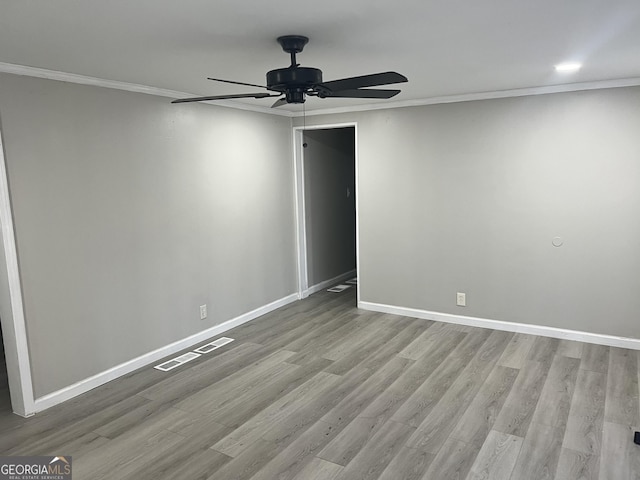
<point x="461" y="299"/>
<point x="203" y="311"/>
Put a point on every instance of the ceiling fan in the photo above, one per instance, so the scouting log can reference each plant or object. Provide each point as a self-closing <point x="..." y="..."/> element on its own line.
<point x="293" y="83"/>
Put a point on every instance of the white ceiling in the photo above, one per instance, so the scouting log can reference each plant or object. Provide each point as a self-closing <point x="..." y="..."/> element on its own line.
<point x="445" y="48"/>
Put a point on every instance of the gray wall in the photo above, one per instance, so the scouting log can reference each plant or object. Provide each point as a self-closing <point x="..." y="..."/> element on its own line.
<point x="131" y="212"/>
<point x="329" y="170"/>
<point x="468" y="197"/>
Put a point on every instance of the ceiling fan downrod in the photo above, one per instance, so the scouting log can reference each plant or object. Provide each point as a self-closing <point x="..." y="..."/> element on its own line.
<point x="293" y="44"/>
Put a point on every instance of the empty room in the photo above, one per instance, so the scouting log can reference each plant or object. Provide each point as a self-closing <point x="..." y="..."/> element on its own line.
<point x="338" y="241"/>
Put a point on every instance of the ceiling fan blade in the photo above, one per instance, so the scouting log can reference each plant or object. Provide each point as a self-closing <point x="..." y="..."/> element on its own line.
<point x="373" y="80"/>
<point x="240" y="83"/>
<point x="224" y="97"/>
<point x="364" y="93"/>
<point x="279" y="102"/>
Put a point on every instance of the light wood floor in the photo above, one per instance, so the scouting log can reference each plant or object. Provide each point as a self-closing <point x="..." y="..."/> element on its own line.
<point x="320" y="390"/>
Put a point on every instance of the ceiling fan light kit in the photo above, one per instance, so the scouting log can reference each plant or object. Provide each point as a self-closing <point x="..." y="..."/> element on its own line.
<point x="294" y="83"/>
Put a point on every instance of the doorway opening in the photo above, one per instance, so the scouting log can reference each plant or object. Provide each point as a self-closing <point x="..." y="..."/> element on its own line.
<point x="5" y="398"/>
<point x="326" y="206"/>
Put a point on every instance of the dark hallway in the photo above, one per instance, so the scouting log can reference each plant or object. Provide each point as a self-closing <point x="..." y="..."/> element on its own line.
<point x="5" y="399"/>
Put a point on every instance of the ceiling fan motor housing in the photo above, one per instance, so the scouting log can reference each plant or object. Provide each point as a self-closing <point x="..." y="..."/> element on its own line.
<point x="295" y="81"/>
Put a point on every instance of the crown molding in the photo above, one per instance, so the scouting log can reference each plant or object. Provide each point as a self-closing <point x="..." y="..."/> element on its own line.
<point x="469" y="97"/>
<point x="466" y="97"/>
<point x="129" y="87"/>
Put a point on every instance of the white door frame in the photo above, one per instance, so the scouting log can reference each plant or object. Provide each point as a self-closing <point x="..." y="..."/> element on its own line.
<point x="14" y="327"/>
<point x="301" y="229"/>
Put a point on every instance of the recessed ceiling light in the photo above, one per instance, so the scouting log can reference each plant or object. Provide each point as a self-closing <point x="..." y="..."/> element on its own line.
<point x="568" y="67"/>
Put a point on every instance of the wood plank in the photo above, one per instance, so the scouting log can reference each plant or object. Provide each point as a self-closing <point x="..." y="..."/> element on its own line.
<point x="448" y="328"/>
<point x="540" y="452"/>
<point x="416" y="408"/>
<point x="361" y="397"/>
<point x="543" y="349"/>
<point x="363" y="352"/>
<point x="247" y="463"/>
<point x="282" y="331"/>
<point x="570" y="348"/>
<point x="77" y="447"/>
<point x="418" y="346"/>
<point x="281" y="337"/>
<point x="478" y="420"/>
<point x="198" y="429"/>
<point x="586" y="417"/>
<point x="312" y="309"/>
<point x="518" y="409"/>
<point x="295" y="457"/>
<point x="295" y="425"/>
<point x="470" y="343"/>
<point x="595" y="358"/>
<point x="356" y="340"/>
<point x="144" y="414"/>
<point x="373" y="459"/>
<point x="439" y="424"/>
<point x="247" y="379"/>
<point x="132" y="452"/>
<point x="497" y="457"/>
<point x="622" y="404"/>
<point x="185" y="460"/>
<point x="238" y="440"/>
<point x="515" y="355"/>
<point x="44" y="441"/>
<point x="218" y="400"/>
<point x="286" y="431"/>
<point x="408" y="464"/>
<point x="453" y="461"/>
<point x="249" y="404"/>
<point x="389" y="350"/>
<point x="350" y="441"/>
<point x="211" y="370"/>
<point x="81" y="413"/>
<point x="577" y="466"/>
<point x="318" y="345"/>
<point x="323" y="326"/>
<point x="407" y="383"/>
<point x="318" y="469"/>
<point x="619" y="458"/>
<point x="622" y="380"/>
<point x="382" y="351"/>
<point x="555" y="400"/>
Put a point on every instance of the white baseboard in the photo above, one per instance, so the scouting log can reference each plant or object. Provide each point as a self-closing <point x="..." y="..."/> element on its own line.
<point x="597" y="338"/>
<point x="90" y="383"/>
<point x="328" y="283"/>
